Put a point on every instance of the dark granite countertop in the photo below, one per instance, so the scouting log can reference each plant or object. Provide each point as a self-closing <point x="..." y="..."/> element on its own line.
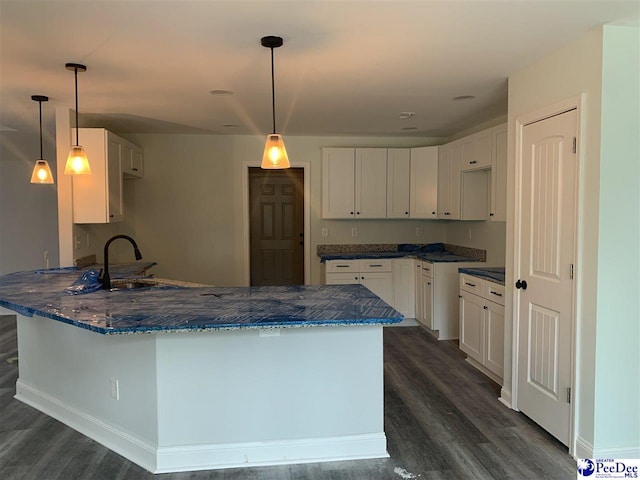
<point x="171" y="308"/>
<point x="493" y="274"/>
<point x="433" y="252"/>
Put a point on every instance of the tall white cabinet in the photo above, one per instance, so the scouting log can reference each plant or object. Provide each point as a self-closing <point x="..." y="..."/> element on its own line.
<point x="399" y="176"/>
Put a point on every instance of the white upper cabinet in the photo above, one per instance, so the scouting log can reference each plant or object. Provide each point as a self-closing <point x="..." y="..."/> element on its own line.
<point x="354" y="183"/>
<point x="398" y="181"/>
<point x="132" y="160"/>
<point x="498" y="211"/>
<point x="338" y="182"/>
<point x="476" y="151"/>
<point x="449" y="181"/>
<point x="424" y="182"/>
<point x="97" y="198"/>
<point x="371" y="183"/>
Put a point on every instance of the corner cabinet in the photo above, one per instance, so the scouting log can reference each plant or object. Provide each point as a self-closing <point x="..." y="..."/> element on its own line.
<point x="482" y="325"/>
<point x="399" y="179"/>
<point x="424" y="183"/>
<point x="98" y="198"/>
<point x="354" y="183"/>
<point x="498" y="211"/>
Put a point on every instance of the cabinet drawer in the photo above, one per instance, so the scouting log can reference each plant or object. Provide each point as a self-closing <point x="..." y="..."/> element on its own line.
<point x="379" y="265"/>
<point x="494" y="292"/>
<point x="343" y="266"/>
<point x="342" y="278"/>
<point x="427" y="269"/>
<point x="472" y="284"/>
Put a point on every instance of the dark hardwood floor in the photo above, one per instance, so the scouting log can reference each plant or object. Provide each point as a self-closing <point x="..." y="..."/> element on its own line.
<point x="442" y="420"/>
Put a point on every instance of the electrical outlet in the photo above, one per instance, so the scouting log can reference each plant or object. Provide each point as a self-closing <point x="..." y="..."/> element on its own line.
<point x="115" y="389"/>
<point x="354" y="232"/>
<point x="325" y="232"/>
<point x="469" y="234"/>
<point x="418" y="231"/>
<point x="77" y="242"/>
<point x="88" y="241"/>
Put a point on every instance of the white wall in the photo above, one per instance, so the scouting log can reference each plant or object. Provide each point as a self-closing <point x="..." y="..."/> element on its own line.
<point x="28" y="212"/>
<point x="573" y="70"/>
<point x="617" y="392"/>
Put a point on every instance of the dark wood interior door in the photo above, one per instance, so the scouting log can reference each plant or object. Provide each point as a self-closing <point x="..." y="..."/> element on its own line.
<point x="276" y="226"/>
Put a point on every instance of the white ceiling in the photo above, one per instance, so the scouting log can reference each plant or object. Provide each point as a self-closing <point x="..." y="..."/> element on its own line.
<point x="346" y="68"/>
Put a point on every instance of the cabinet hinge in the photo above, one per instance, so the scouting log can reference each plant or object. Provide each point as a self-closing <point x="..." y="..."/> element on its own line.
<point x="569" y="395"/>
<point x="571" y="271"/>
<point x="574" y="145"/>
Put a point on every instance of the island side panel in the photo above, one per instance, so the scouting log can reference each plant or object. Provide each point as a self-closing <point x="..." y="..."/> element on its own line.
<point x="256" y="397"/>
<point x="68" y="372"/>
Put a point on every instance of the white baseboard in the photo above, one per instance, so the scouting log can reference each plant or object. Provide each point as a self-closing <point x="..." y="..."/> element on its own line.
<point x="585" y="449"/>
<point x="183" y="458"/>
<point x="209" y="457"/>
<point x="114" y="439"/>
<point x="505" y="397"/>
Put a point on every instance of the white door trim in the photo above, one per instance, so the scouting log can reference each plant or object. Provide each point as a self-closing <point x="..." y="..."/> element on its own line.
<point x="575" y="102"/>
<point x="307" y="219"/>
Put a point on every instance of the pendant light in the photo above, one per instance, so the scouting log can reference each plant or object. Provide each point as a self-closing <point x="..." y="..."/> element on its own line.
<point x="275" y="155"/>
<point x="77" y="162"/>
<point x="41" y="171"/>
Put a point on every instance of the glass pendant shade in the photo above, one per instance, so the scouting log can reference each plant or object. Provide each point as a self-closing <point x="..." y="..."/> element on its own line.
<point x="41" y="172"/>
<point x="77" y="162"/>
<point x="275" y="155"/>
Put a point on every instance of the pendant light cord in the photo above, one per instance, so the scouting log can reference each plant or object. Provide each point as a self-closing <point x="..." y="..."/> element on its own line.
<point x="273" y="93"/>
<point x="40" y="105"/>
<point x="77" y="126"/>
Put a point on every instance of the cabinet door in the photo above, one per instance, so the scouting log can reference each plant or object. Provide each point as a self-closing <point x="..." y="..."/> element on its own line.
<point x="114" y="179"/>
<point x="424" y="182"/>
<point x="371" y="183"/>
<point x="417" y="273"/>
<point x="131" y="157"/>
<point x="498" y="211"/>
<point x="404" y="286"/>
<point x="444" y="181"/>
<point x="476" y="151"/>
<point x="454" y="182"/>
<point x="338" y="181"/>
<point x="380" y="283"/>
<point x="427" y="302"/>
<point x="471" y="325"/>
<point x="398" y="182"/>
<point x="494" y="338"/>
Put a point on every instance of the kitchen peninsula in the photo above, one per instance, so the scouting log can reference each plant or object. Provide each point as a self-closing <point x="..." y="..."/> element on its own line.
<point x="177" y="379"/>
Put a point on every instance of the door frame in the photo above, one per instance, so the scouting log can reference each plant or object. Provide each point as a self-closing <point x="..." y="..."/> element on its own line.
<point x="306" y="166"/>
<point x="571" y="103"/>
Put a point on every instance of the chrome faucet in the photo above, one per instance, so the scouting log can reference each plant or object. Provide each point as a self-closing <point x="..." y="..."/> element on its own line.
<point x="105" y="279"/>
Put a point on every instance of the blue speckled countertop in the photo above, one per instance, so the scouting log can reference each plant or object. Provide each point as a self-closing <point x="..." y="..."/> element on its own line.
<point x="433" y="252"/>
<point x="494" y="274"/>
<point x="171" y="308"/>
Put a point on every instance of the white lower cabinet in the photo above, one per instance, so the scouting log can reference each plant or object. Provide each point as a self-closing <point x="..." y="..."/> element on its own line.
<point x="376" y="275"/>
<point x="437" y="294"/>
<point x="482" y="325"/>
<point x="404" y="287"/>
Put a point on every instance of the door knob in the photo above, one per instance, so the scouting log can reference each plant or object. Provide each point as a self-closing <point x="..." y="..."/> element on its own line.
<point x="521" y="284"/>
